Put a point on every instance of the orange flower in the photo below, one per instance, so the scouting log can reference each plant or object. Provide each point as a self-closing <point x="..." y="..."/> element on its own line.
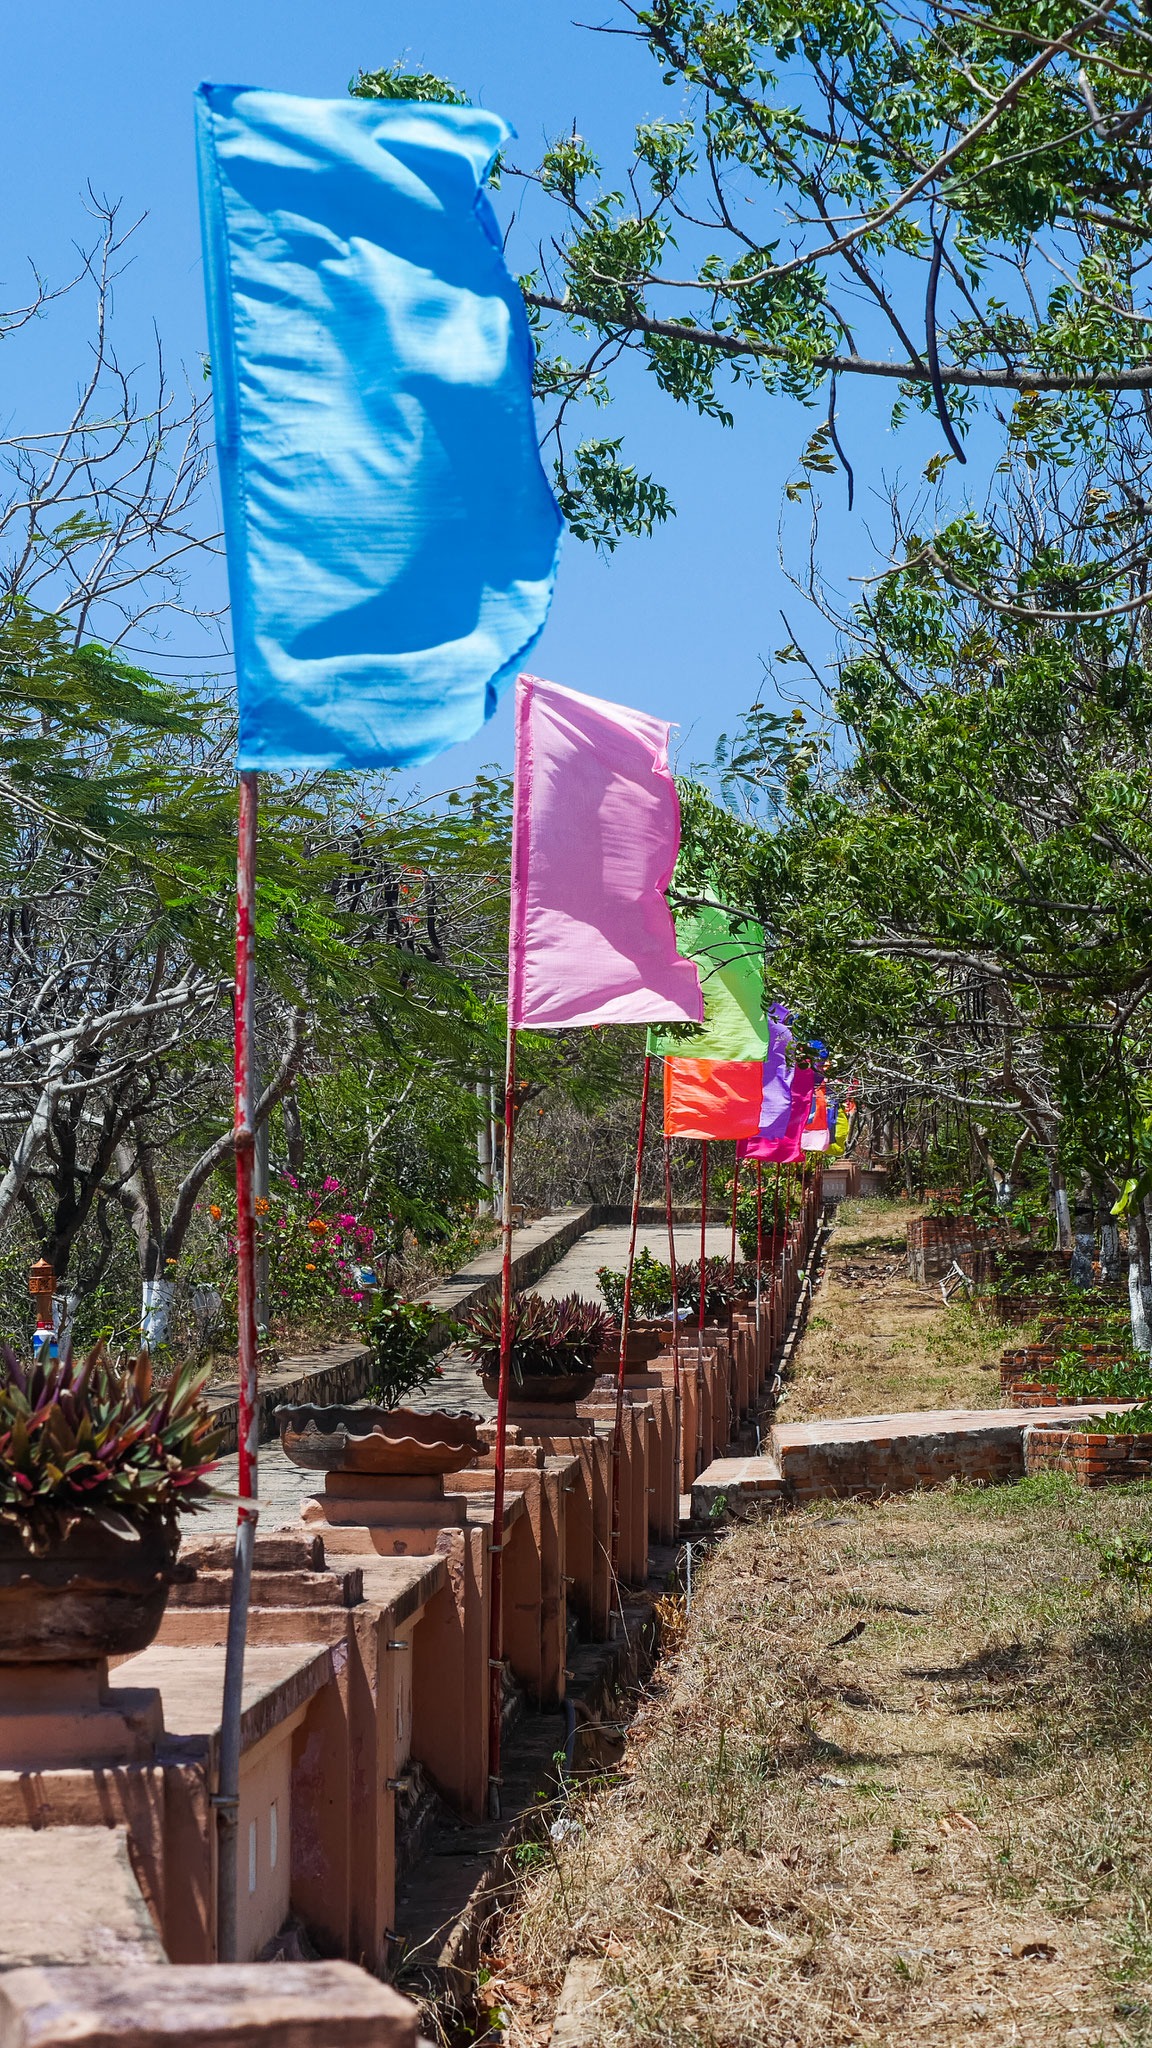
<point x="262" y="1205"/>
<point x="309" y="1269"/>
<point x="318" y="1225"/>
<point x="214" y="1211"/>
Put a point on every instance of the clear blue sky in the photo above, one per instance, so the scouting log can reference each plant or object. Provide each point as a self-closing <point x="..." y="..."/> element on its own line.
<point x="675" y="625"/>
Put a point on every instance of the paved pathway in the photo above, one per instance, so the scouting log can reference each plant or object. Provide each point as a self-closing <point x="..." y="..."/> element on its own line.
<point x="575" y="1273"/>
<point x="283" y="1486"/>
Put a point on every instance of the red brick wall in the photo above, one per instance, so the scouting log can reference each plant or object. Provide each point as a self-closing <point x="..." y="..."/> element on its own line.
<point x="1092" y="1459"/>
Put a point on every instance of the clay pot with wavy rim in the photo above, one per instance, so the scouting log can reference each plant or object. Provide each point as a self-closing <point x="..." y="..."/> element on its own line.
<point x="538" y="1389"/>
<point x="401" y="1443"/>
<point x="94" y="1594"/>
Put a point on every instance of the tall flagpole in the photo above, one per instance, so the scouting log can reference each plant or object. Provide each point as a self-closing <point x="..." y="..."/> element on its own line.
<point x="759" y="1234"/>
<point x="515" y="964"/>
<point x="227" y="1796"/>
<point x="678" y="1422"/>
<point x="625" y="1317"/>
<point x="703" y="1242"/>
<point x="496" y="1617"/>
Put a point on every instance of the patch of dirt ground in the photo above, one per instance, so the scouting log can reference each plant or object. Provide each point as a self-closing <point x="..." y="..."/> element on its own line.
<point x="891" y="1780"/>
<point x="876" y="1342"/>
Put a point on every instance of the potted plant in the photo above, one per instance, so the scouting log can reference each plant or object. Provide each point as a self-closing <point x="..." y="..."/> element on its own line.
<point x="379" y="1435"/>
<point x="96" y="1466"/>
<point x="652" y="1288"/>
<point x="553" y="1346"/>
<point x="405" y="1335"/>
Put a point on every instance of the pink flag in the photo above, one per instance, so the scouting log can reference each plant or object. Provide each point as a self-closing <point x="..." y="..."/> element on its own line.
<point x="596" y="832"/>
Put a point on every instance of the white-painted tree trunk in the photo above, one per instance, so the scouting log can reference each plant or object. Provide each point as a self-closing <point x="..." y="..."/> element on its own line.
<point x="1139" y="1281"/>
<point x="1061" y="1211"/>
<point x="484" y="1152"/>
<point x="156" y="1312"/>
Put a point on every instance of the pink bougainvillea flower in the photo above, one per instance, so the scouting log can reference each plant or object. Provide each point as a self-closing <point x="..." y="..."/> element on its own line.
<point x="331" y="1185"/>
<point x="291" y="1180"/>
<point x="348" y="1222"/>
<point x="365" y="1234"/>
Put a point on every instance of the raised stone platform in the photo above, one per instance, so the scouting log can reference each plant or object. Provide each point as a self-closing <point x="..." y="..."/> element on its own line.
<point x="869" y="1455"/>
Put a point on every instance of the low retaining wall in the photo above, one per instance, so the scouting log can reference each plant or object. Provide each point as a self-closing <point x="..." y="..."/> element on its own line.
<point x="1092" y="1459"/>
<point x="897" y="1458"/>
<point x="935" y="1243"/>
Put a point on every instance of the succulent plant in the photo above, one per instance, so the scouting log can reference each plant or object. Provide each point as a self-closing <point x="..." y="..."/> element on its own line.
<point x="549" y="1338"/>
<point x="98" y="1439"/>
<point x="652" y="1286"/>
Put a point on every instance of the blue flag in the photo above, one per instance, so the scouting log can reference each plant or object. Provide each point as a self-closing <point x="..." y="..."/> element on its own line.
<point x="391" y="534"/>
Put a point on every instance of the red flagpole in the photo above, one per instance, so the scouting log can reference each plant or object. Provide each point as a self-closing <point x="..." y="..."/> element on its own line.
<point x="759" y="1234"/>
<point x="678" y="1419"/>
<point x="625" y="1318"/>
<point x="703" y="1241"/>
<point x="496" y="1617"/>
<point x="227" y="1796"/>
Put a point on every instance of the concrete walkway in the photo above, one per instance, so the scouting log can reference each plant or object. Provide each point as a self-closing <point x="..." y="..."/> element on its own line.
<point x="576" y="1272"/>
<point x="283" y="1486"/>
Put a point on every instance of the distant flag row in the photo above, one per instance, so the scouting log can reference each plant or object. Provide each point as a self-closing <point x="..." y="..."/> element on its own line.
<point x="392" y="544"/>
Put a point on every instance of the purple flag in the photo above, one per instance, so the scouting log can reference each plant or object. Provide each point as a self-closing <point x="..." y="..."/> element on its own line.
<point x="596" y="831"/>
<point x="776" y="1107"/>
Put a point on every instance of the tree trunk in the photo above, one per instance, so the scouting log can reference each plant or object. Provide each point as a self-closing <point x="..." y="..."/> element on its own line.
<point x="484" y="1152"/>
<point x="1084" y="1246"/>
<point x="1139" y="1281"/>
<point x="293" y="1132"/>
<point x="156" y="1312"/>
<point x="1109" y="1244"/>
<point x="1058" y="1193"/>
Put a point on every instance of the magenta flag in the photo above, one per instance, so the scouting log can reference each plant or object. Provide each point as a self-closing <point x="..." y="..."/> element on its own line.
<point x="776" y="1107"/>
<point x="596" y="831"/>
<point x="785" y="1150"/>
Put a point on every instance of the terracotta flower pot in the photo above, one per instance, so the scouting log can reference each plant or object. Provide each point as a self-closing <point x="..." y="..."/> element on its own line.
<point x="94" y="1594"/>
<point x="541" y="1387"/>
<point x="396" y="1442"/>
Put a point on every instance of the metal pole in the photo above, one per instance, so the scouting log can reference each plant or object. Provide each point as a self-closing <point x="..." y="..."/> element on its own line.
<point x="496" y="1618"/>
<point x="261" y="1185"/>
<point x="703" y="1242"/>
<point x="625" y="1317"/>
<point x="227" y="1796"/>
<point x="678" y="1419"/>
<point x="759" y="1233"/>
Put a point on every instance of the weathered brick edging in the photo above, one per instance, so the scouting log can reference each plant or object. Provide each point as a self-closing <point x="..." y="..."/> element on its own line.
<point x="1092" y="1457"/>
<point x="344" y="1371"/>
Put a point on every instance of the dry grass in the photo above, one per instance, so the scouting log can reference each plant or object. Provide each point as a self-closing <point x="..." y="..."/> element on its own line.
<point x="893" y="1787"/>
<point x="891" y="1782"/>
<point x="876" y="1342"/>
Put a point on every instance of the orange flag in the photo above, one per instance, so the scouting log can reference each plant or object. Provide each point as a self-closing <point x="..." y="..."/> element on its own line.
<point x="712" y="1098"/>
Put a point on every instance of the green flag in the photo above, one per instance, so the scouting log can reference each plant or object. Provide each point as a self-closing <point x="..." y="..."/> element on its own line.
<point x="729" y="953"/>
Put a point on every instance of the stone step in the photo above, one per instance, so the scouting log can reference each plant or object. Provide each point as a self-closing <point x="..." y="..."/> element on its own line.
<point x="736" y="1479"/>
